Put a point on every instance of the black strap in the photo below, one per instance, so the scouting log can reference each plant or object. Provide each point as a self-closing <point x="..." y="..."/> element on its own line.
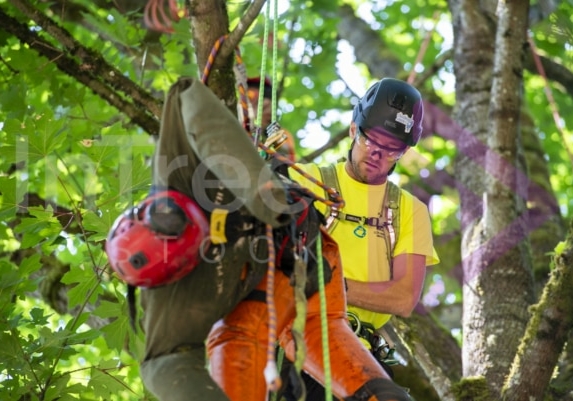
<point x="132" y="306"/>
<point x="376" y="222"/>
<point x="379" y="389"/>
<point x="256" y="295"/>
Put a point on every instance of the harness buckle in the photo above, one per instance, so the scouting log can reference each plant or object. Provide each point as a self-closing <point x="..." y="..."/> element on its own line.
<point x="372" y="221"/>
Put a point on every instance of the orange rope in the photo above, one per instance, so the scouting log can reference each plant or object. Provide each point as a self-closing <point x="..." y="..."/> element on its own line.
<point x="242" y="87"/>
<point x="549" y="94"/>
<point x="211" y="58"/>
<point x="334" y="201"/>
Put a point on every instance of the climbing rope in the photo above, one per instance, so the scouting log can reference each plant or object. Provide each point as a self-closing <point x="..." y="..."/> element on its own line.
<point x="271" y="373"/>
<point x="155" y="17"/>
<point x="334" y="200"/>
<point x="211" y="59"/>
<point x="242" y="88"/>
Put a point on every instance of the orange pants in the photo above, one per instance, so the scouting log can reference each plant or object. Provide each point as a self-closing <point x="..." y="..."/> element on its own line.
<point x="237" y="344"/>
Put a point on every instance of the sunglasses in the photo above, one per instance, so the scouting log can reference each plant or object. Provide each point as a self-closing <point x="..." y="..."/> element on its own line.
<point x="390" y="153"/>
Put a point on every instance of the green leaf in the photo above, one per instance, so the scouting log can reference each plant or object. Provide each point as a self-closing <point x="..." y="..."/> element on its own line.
<point x="116" y="332"/>
<point x="86" y="286"/>
<point x="30" y="265"/>
<point x="38" y="317"/>
<point x="98" y="224"/>
<point x="108" y="309"/>
<point x="38" y="228"/>
<point x="103" y="383"/>
<point x="12" y="194"/>
<point x="10" y="349"/>
<point x="9" y="276"/>
<point x="48" y="139"/>
<point x="58" y="387"/>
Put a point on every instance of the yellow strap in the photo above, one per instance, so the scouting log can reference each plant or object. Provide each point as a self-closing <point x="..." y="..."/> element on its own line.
<point x="218" y="220"/>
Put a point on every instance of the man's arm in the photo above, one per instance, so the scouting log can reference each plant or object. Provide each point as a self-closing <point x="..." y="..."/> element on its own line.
<point x="398" y="296"/>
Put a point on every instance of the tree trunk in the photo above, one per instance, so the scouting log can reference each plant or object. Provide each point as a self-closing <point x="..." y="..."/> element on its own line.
<point x="497" y="268"/>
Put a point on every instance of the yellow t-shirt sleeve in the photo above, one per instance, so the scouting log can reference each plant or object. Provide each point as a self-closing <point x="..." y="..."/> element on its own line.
<point x="415" y="236"/>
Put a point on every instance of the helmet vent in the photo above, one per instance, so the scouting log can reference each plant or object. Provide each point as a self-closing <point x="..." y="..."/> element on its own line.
<point x="166" y="217"/>
<point x="398" y="101"/>
<point x="138" y="260"/>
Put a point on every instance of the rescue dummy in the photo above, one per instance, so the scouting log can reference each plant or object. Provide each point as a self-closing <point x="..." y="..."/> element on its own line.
<point x="212" y="190"/>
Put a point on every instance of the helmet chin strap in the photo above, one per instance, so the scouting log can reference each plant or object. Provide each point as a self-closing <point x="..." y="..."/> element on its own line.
<point x="391" y="169"/>
<point x="350" y="150"/>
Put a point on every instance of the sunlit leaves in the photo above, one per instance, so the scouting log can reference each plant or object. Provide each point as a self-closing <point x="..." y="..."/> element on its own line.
<point x="73" y="151"/>
<point x="39" y="227"/>
<point x="105" y="380"/>
<point x="44" y="137"/>
<point x="117" y="331"/>
<point x="85" y="285"/>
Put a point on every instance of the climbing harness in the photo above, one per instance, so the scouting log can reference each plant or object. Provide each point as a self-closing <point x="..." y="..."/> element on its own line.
<point x="388" y="221"/>
<point x="374" y="341"/>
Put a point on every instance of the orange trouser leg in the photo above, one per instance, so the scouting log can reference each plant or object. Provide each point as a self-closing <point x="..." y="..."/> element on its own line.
<point x="237" y="344"/>
<point x="352" y="365"/>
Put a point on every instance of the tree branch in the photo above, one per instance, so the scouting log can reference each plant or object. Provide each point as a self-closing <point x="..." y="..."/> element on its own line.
<point x="432" y="348"/>
<point x="333" y="141"/>
<point x="554" y="71"/>
<point x="87" y="67"/>
<point x="548" y="329"/>
<point x="368" y="46"/>
<point x="245" y="22"/>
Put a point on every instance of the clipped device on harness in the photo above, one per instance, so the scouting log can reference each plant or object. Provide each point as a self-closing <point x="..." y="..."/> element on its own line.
<point x="299" y="238"/>
<point x="378" y="346"/>
<point x="159" y="241"/>
<point x="275" y="136"/>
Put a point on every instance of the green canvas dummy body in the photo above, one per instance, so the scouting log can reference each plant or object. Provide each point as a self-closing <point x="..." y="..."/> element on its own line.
<point x="204" y="152"/>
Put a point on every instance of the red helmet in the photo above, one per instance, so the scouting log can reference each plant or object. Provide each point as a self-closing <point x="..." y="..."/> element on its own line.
<point x="159" y="241"/>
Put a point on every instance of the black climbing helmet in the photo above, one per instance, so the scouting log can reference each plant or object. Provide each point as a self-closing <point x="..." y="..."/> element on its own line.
<point x="394" y="106"/>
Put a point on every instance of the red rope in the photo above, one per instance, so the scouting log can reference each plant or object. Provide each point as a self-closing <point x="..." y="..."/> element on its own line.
<point x="155" y="17"/>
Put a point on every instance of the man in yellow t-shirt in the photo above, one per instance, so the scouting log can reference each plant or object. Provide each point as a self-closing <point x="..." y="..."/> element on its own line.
<point x="386" y="122"/>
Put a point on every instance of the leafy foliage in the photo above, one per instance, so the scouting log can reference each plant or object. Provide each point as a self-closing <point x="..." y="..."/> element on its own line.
<point x="70" y="163"/>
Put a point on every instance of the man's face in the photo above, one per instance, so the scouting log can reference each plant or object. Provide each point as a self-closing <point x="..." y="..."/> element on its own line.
<point x="253" y="95"/>
<point x="374" y="153"/>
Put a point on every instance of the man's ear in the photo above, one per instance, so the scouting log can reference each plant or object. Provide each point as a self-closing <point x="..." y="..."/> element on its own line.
<point x="352" y="131"/>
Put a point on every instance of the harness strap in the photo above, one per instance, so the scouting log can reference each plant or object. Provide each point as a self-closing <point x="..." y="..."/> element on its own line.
<point x="390" y="209"/>
<point x="330" y="179"/>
